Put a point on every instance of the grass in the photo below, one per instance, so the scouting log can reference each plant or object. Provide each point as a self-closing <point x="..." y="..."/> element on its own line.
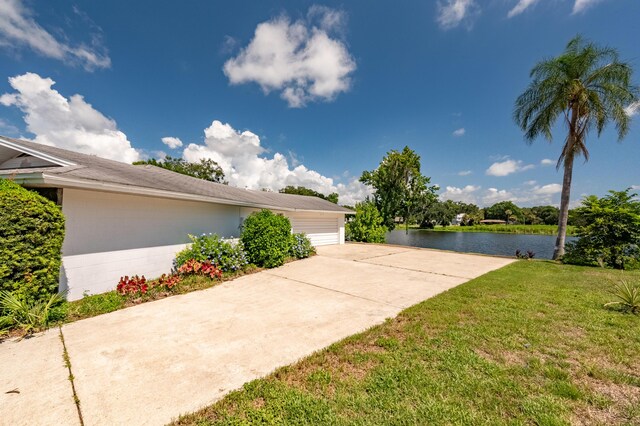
<point x="531" y="343"/>
<point x="507" y="229"/>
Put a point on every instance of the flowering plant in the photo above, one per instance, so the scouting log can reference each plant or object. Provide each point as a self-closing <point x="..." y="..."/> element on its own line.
<point x="195" y="267"/>
<point x="133" y="285"/>
<point x="227" y="255"/>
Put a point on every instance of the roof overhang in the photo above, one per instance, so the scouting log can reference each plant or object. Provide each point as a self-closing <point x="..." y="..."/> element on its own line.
<point x="50" y="158"/>
<point x="43" y="179"/>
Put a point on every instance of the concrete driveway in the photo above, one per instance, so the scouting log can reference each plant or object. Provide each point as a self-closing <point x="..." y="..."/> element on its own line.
<point x="150" y="363"/>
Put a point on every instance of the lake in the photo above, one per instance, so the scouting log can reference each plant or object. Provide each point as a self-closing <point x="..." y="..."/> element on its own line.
<point x="476" y="242"/>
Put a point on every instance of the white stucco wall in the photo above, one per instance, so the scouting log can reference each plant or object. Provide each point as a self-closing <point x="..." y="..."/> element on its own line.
<point x="111" y="235"/>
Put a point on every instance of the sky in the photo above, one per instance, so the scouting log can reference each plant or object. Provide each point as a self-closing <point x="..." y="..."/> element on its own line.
<point x="312" y="93"/>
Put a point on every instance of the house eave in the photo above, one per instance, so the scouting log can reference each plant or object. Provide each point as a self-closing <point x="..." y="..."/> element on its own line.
<point x="34" y="153"/>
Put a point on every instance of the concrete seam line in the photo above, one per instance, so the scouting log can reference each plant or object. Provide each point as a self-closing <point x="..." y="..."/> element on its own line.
<point x="67" y="363"/>
<point x="417" y="270"/>
<point x="382" y="255"/>
<point x="334" y="290"/>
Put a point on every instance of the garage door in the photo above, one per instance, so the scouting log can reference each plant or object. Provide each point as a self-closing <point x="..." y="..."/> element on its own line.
<point x="321" y="230"/>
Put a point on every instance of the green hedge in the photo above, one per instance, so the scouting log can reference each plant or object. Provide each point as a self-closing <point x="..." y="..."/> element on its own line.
<point x="267" y="238"/>
<point x="31" y="235"/>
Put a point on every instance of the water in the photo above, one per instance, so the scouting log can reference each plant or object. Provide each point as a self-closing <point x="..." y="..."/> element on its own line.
<point x="476" y="242"/>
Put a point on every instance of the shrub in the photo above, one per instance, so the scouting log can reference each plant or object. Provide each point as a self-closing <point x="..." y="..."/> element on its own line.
<point x="301" y="246"/>
<point x="367" y="225"/>
<point x="29" y="315"/>
<point x="227" y="256"/>
<point x="195" y="267"/>
<point x="132" y="286"/>
<point x="609" y="232"/>
<point x="267" y="238"/>
<point x="31" y="235"/>
<point x="627" y="295"/>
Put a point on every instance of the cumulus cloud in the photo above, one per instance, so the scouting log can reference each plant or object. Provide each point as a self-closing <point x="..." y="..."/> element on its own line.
<point x="547" y="162"/>
<point x="494" y="195"/>
<point x="305" y="60"/>
<point x="459" y="132"/>
<point x="452" y="13"/>
<point x="633" y="109"/>
<point x="550" y="189"/>
<point x="530" y="182"/>
<point x="464" y="173"/>
<point x="246" y="165"/>
<point x="507" y="167"/>
<point x="520" y="7"/>
<point x="582" y="5"/>
<point x="19" y="29"/>
<point x="466" y="194"/>
<point x="172" y="142"/>
<point x="69" y="123"/>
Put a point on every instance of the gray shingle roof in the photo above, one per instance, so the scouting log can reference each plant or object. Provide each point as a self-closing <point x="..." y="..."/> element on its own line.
<point x="91" y="168"/>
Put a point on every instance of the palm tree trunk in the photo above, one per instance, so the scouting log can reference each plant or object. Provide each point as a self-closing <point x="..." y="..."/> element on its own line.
<point x="564" y="206"/>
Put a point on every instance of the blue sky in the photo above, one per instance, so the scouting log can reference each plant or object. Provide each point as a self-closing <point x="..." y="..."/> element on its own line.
<point x="311" y="93"/>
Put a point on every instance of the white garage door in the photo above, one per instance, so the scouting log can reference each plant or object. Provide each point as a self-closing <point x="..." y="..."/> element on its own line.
<point x="320" y="230"/>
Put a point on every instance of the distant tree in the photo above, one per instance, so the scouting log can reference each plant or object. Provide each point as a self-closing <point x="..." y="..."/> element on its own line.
<point x="504" y="210"/>
<point x="301" y="190"/>
<point x="609" y="234"/>
<point x="547" y="215"/>
<point x="206" y="168"/>
<point x="367" y="226"/>
<point x="588" y="87"/>
<point x="400" y="189"/>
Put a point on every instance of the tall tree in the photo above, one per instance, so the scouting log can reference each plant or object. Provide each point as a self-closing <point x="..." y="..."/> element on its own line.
<point x="400" y="188"/>
<point x="588" y="86"/>
<point x="301" y="190"/>
<point x="206" y="168"/>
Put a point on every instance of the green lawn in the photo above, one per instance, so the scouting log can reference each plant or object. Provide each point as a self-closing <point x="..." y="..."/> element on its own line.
<point x="505" y="229"/>
<point x="528" y="344"/>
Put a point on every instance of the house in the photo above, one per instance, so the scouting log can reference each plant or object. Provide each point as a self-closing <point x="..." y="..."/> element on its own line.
<point x="123" y="219"/>
<point x="457" y="221"/>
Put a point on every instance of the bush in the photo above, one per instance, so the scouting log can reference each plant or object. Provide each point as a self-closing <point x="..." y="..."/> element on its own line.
<point x="229" y="257"/>
<point x="30" y="316"/>
<point x="367" y="225"/>
<point x="301" y="246"/>
<point x="609" y="234"/>
<point x="267" y="238"/>
<point x="31" y="235"/>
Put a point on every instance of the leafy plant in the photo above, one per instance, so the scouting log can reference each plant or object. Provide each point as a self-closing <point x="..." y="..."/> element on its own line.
<point x="609" y="234"/>
<point x="30" y="316"/>
<point x="267" y="238"/>
<point x="132" y="286"/>
<point x="525" y="255"/>
<point x="301" y="246"/>
<point x="367" y="226"/>
<point x="227" y="256"/>
<point x="195" y="267"/>
<point x="627" y="295"/>
<point x="31" y="235"/>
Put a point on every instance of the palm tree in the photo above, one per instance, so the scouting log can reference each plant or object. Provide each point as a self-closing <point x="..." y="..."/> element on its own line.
<point x="588" y="87"/>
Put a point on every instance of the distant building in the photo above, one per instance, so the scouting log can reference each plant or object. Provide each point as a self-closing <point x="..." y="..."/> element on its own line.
<point x="458" y="219"/>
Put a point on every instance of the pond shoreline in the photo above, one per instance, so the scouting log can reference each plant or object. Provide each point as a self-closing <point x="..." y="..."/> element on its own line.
<point x="498" y="229"/>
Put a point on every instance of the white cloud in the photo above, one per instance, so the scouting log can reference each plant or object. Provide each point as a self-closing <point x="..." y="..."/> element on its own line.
<point x="530" y="182"/>
<point x="582" y="5"/>
<point x="550" y="189"/>
<point x="466" y="194"/>
<point x="507" y="167"/>
<point x="547" y="162"/>
<point x="452" y="13"/>
<point x="172" y="142"/>
<point x="241" y="156"/>
<point x="300" y="59"/>
<point x="8" y="128"/>
<point x="459" y="132"/>
<point x="494" y="195"/>
<point x="69" y="123"/>
<point x="464" y="173"/>
<point x="633" y="109"/>
<point x="521" y="7"/>
<point x="18" y="29"/>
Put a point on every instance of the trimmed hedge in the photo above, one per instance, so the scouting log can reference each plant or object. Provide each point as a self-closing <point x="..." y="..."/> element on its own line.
<point x="267" y="238"/>
<point x="31" y="235"/>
